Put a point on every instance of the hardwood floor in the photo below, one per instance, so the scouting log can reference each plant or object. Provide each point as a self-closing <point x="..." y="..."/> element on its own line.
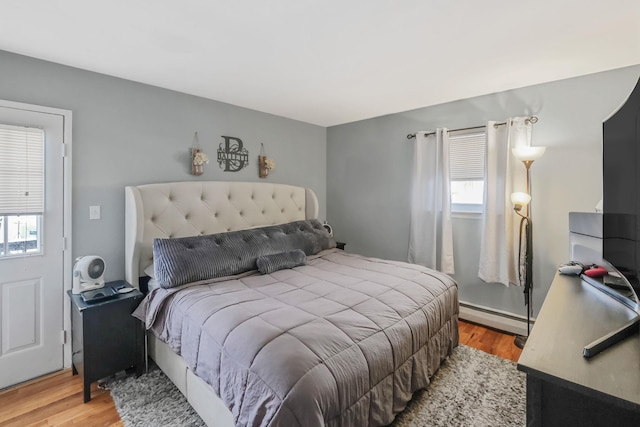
<point x="56" y="400"/>
<point x="489" y="340"/>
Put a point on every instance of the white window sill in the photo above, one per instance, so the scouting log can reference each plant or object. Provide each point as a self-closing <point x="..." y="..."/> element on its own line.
<point x="466" y="215"/>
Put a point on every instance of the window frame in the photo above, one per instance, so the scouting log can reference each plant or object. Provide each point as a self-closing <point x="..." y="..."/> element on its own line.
<point x="27" y="161"/>
<point x="464" y="209"/>
<point x="4" y="244"/>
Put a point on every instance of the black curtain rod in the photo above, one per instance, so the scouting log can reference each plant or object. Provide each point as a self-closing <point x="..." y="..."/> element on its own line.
<point x="532" y="120"/>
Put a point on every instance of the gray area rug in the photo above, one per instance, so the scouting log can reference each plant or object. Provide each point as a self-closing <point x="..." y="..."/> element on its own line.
<point x="471" y="388"/>
<point x="152" y="400"/>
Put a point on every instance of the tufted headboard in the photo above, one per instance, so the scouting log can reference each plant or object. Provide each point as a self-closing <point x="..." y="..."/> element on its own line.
<point x="191" y="208"/>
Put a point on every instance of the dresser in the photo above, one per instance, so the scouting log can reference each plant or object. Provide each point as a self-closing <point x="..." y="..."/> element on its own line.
<point x="564" y="388"/>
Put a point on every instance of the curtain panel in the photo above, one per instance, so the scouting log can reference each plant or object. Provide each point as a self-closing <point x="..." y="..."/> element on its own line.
<point x="431" y="237"/>
<point x="504" y="174"/>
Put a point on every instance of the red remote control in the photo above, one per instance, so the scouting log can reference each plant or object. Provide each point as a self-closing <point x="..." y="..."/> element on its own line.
<point x="596" y="271"/>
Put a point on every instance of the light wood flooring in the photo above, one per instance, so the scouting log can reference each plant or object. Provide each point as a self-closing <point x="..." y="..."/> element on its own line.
<point x="56" y="399"/>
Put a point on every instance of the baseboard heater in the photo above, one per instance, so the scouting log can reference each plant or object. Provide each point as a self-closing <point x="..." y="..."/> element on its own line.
<point x="496" y="319"/>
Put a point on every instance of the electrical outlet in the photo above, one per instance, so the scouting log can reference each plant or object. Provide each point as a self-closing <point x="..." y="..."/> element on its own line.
<point x="94" y="212"/>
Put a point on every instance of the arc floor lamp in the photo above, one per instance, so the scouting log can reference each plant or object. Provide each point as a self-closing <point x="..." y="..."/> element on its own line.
<point x="526" y="155"/>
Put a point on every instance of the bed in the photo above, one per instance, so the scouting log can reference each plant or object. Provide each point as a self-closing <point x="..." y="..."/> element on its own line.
<point x="323" y="337"/>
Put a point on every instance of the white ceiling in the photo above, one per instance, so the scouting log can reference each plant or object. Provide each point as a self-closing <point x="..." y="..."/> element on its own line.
<point x="328" y="62"/>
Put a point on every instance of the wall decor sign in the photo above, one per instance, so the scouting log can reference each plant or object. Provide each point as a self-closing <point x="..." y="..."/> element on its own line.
<point x="198" y="157"/>
<point x="265" y="164"/>
<point x="232" y="156"/>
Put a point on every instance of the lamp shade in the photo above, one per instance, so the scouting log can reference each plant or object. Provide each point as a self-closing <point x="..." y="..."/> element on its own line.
<point x="521" y="199"/>
<point x="528" y="154"/>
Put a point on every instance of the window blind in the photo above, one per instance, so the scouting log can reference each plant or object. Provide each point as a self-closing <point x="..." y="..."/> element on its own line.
<point x="21" y="170"/>
<point x="467" y="156"/>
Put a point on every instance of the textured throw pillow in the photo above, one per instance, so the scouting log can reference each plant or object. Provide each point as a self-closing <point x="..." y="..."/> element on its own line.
<point x="269" y="263"/>
<point x="183" y="260"/>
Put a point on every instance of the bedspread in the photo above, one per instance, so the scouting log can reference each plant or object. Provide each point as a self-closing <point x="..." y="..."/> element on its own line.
<point x="342" y="341"/>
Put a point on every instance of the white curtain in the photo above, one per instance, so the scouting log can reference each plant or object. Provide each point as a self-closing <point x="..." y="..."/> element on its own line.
<point x="431" y="238"/>
<point x="504" y="174"/>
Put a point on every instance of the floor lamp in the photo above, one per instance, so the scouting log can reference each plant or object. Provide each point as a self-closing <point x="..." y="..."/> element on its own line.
<point x="526" y="155"/>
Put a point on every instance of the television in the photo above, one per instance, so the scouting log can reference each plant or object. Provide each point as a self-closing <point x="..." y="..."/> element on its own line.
<point x="620" y="216"/>
<point x="621" y="189"/>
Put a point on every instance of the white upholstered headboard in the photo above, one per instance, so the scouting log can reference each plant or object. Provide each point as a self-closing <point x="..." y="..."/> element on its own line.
<point x="191" y="208"/>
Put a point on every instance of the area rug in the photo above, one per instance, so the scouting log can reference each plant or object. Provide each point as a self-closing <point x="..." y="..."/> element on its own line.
<point x="471" y="388"/>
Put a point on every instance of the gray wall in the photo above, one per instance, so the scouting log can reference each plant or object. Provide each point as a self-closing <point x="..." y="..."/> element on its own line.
<point x="369" y="175"/>
<point x="127" y="133"/>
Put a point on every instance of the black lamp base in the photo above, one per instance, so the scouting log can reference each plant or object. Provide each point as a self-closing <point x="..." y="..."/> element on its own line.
<point x="520" y="341"/>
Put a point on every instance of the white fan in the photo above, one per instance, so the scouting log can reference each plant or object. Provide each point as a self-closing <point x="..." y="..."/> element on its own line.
<point x="328" y="228"/>
<point x="88" y="273"/>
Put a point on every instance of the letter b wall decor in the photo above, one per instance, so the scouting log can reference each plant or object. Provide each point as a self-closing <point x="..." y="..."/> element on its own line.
<point x="232" y="156"/>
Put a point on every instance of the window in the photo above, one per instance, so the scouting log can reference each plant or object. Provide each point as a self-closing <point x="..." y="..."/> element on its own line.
<point x="22" y="190"/>
<point x="467" y="162"/>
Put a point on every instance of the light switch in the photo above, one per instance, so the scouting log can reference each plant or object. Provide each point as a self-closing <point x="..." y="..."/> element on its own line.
<point x="94" y="212"/>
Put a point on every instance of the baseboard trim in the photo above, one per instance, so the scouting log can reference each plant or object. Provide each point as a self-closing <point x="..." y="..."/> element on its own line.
<point x="492" y="318"/>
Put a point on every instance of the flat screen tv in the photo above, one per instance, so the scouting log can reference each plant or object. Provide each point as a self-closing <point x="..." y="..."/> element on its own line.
<point x="621" y="215"/>
<point x="621" y="189"/>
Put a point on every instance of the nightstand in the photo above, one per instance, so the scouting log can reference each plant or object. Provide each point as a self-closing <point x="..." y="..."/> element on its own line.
<point x="106" y="338"/>
<point x="340" y="245"/>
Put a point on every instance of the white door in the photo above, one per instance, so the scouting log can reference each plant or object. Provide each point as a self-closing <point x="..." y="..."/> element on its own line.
<point x="31" y="245"/>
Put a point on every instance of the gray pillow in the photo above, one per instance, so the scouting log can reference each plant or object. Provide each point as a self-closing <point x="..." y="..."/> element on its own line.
<point x="269" y="263"/>
<point x="185" y="260"/>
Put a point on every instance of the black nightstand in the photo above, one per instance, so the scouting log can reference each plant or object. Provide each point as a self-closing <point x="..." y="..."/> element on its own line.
<point x="340" y="245"/>
<point x="106" y="338"/>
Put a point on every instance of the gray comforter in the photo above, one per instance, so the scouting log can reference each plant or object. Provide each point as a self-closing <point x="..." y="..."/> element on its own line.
<point x="342" y="341"/>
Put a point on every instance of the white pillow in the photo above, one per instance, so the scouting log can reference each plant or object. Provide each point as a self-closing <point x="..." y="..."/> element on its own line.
<point x="150" y="271"/>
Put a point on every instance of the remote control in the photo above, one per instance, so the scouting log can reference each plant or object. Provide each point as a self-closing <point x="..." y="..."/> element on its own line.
<point x="596" y="271"/>
<point x="571" y="268"/>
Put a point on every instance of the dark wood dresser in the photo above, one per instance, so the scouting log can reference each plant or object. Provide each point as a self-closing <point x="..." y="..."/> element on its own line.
<point x="564" y="388"/>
